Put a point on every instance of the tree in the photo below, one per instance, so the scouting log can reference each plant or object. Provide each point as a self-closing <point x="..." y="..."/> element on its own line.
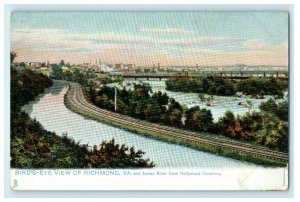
<point x="112" y="155"/>
<point x="152" y="110"/>
<point x="141" y="91"/>
<point x="13" y="70"/>
<point x="283" y="110"/>
<point x="198" y="119"/>
<point x="13" y="55"/>
<point x="274" y="133"/>
<point x="227" y="124"/>
<point x="172" y="117"/>
<point x="174" y="105"/>
<point x="56" y="72"/>
<point x="250" y="123"/>
<point x="62" y="63"/>
<point x="269" y="106"/>
<point x="162" y="98"/>
<point x="22" y="64"/>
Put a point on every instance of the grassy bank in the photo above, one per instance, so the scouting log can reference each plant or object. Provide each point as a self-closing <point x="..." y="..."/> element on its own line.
<point x="163" y="137"/>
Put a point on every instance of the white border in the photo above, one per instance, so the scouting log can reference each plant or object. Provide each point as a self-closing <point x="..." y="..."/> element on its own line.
<point x="295" y="98"/>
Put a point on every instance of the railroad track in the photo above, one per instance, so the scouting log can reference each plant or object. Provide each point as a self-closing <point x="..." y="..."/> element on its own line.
<point x="76" y="98"/>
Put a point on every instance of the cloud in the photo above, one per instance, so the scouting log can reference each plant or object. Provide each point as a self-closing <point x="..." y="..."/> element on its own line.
<point x="256" y="45"/>
<point x="196" y="51"/>
<point x="108" y="37"/>
<point x="56" y="44"/>
<point x="211" y="41"/>
<point x="57" y="40"/>
<point x="175" y="31"/>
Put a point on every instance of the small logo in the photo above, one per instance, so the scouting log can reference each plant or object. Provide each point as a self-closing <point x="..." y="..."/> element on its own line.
<point x="15" y="184"/>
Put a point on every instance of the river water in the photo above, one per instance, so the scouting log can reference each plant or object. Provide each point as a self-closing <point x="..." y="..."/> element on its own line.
<point x="49" y="109"/>
<point x="219" y="106"/>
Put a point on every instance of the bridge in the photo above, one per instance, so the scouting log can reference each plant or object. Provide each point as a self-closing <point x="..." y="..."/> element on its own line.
<point x="221" y="74"/>
<point x="76" y="101"/>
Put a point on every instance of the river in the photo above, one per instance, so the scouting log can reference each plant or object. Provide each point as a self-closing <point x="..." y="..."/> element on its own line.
<point x="219" y="106"/>
<point x="49" y="109"/>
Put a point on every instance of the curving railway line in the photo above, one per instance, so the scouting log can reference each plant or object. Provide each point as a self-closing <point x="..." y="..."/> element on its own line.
<point x="77" y="100"/>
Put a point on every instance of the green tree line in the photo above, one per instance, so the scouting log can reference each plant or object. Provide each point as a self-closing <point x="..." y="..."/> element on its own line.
<point x="226" y="87"/>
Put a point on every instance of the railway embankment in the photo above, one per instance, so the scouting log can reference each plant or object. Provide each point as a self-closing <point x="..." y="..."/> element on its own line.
<point x="76" y="102"/>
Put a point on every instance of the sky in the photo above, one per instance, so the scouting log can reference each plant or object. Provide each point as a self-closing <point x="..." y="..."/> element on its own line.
<point x="147" y="38"/>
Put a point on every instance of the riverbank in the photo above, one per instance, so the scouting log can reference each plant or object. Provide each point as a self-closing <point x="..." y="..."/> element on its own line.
<point x="34" y="147"/>
<point x="156" y="132"/>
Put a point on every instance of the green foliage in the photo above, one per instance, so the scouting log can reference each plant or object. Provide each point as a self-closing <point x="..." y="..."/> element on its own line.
<point x="280" y="109"/>
<point x="111" y="155"/>
<point x="219" y="86"/>
<point x="62" y="63"/>
<point x="56" y="72"/>
<point x="25" y="85"/>
<point x="13" y="55"/>
<point x="262" y="86"/>
<point x="226" y="125"/>
<point x="137" y="103"/>
<point x="22" y="64"/>
<point x="198" y="119"/>
<point x="208" y="85"/>
<point x="265" y="128"/>
<point x="162" y="98"/>
<point x="34" y="147"/>
<point x="173" y="114"/>
<point x="249" y="124"/>
<point x="283" y="111"/>
<point x="269" y="106"/>
<point x="274" y="133"/>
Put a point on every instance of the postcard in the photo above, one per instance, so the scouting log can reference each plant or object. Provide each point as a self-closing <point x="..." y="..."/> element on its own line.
<point x="149" y="100"/>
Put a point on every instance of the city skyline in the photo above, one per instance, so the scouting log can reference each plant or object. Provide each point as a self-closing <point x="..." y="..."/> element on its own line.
<point x="146" y="38"/>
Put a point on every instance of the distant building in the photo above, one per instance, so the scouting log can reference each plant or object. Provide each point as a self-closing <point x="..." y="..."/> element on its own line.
<point x="86" y="64"/>
<point x="97" y="68"/>
<point x="119" y="66"/>
<point x="130" y="66"/>
<point x="106" y="68"/>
